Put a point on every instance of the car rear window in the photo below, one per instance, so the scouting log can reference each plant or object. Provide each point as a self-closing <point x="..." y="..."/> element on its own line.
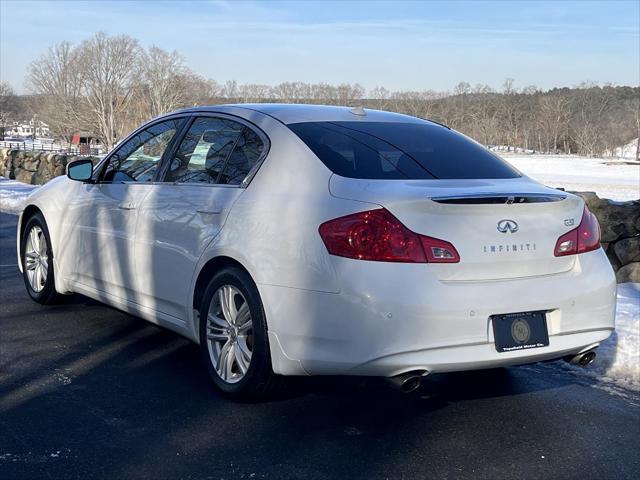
<point x="379" y="150"/>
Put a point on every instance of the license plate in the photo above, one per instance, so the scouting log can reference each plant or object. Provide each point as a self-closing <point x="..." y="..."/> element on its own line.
<point x="520" y="331"/>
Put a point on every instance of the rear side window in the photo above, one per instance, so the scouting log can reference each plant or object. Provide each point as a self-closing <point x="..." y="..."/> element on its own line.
<point x="414" y="151"/>
<point x="245" y="156"/>
<point x="216" y="151"/>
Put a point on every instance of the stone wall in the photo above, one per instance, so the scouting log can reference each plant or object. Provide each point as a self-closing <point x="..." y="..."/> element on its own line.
<point x="619" y="232"/>
<point x="34" y="168"/>
<point x="619" y="221"/>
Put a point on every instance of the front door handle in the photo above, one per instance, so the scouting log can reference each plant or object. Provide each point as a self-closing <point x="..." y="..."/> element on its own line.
<point x="127" y="206"/>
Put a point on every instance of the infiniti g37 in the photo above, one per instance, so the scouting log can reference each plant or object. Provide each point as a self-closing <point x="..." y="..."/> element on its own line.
<point x="312" y="240"/>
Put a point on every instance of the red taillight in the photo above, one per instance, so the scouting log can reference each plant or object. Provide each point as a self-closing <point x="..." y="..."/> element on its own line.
<point x="583" y="239"/>
<point x="379" y="236"/>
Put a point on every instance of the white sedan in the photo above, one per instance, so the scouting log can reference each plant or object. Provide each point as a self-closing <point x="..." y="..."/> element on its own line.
<point x="313" y="240"/>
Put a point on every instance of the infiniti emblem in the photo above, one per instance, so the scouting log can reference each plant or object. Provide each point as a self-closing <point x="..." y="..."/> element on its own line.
<point x="505" y="226"/>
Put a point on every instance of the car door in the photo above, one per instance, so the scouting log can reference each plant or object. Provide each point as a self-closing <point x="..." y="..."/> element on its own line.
<point x="180" y="216"/>
<point x="102" y="218"/>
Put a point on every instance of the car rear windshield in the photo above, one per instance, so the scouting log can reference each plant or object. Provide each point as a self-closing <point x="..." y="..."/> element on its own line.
<point x="379" y="150"/>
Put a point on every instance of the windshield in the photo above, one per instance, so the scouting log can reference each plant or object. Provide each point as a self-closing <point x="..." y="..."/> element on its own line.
<point x="379" y="150"/>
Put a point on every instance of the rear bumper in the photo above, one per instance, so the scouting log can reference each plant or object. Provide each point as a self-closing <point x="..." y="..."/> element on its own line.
<point x="393" y="318"/>
<point x="475" y="357"/>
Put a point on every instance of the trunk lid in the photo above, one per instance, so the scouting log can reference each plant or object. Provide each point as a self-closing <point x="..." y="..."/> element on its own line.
<point x="502" y="229"/>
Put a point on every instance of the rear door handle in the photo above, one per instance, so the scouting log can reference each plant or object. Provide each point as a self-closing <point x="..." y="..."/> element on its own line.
<point x="210" y="211"/>
<point x="127" y="206"/>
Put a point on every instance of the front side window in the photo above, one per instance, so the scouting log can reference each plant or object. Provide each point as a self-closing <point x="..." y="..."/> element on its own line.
<point x="215" y="151"/>
<point x="413" y="151"/>
<point x="138" y="159"/>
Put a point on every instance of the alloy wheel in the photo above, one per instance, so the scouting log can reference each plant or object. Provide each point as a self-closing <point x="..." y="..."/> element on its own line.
<point x="36" y="260"/>
<point x="229" y="333"/>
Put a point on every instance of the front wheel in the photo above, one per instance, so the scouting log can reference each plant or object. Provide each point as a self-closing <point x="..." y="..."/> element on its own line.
<point x="233" y="336"/>
<point x="37" y="261"/>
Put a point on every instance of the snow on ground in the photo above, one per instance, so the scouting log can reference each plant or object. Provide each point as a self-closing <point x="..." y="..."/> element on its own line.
<point x="609" y="178"/>
<point x="616" y="368"/>
<point x="618" y="357"/>
<point x="13" y="195"/>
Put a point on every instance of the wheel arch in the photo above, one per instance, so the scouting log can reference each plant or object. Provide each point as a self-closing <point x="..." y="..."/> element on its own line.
<point x="28" y="212"/>
<point x="207" y="271"/>
<point x="280" y="362"/>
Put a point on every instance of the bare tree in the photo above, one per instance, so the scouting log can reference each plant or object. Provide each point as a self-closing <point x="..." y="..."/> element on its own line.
<point x="229" y="90"/>
<point x="380" y="96"/>
<point x="56" y="77"/>
<point x="107" y="74"/>
<point x="553" y="116"/>
<point x="459" y="111"/>
<point x="635" y="108"/>
<point x="483" y="115"/>
<point x="290" y="92"/>
<point x="510" y="113"/>
<point x="8" y="106"/>
<point x="349" y="93"/>
<point x="590" y="103"/>
<point x="419" y="104"/>
<point x="202" y="91"/>
<point x="252" y="92"/>
<point x="161" y="82"/>
<point x="323" y="93"/>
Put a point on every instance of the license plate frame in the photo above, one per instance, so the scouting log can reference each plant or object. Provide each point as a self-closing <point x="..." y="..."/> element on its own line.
<point x="520" y="331"/>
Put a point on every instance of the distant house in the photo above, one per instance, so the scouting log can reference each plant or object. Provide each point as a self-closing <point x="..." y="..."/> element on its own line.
<point x="27" y="130"/>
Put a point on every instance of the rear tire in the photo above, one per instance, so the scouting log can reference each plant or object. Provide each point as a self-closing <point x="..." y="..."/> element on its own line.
<point x="233" y="337"/>
<point x="37" y="261"/>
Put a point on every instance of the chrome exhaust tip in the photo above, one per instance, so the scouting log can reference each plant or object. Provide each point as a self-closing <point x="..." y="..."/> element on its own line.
<point x="587" y="359"/>
<point x="407" y="382"/>
<point x="582" y="359"/>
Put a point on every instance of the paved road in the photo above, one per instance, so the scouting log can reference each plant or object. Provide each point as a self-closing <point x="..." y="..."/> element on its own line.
<point x="89" y="392"/>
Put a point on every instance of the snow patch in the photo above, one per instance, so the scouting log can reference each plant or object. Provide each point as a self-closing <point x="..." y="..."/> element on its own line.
<point x="37" y="457"/>
<point x="618" y="357"/>
<point x="62" y="378"/>
<point x="616" y="368"/>
<point x="507" y="148"/>
<point x="616" y="180"/>
<point x="13" y="195"/>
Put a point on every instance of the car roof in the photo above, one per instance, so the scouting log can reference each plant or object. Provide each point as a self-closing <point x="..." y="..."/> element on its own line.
<point x="297" y="113"/>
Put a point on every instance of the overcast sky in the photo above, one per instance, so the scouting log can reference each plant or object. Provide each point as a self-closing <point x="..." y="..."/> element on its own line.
<point x="399" y="45"/>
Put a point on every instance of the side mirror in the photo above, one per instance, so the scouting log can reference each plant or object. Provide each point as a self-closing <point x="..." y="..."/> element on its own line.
<point x="80" y="170"/>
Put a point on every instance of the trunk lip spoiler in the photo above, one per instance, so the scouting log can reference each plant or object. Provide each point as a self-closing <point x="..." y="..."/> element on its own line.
<point x="509" y="197"/>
